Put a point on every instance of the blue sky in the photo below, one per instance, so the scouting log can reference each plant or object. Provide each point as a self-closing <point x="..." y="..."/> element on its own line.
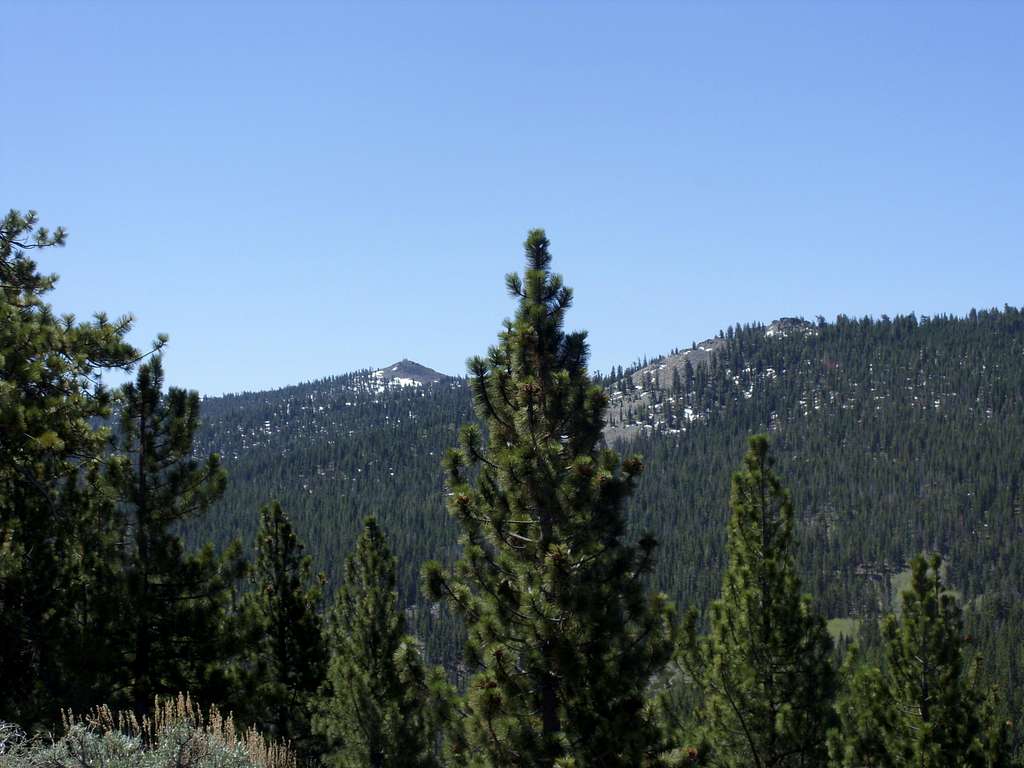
<point x="294" y="190"/>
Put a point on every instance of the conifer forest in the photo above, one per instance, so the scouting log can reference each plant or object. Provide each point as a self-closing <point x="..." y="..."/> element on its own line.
<point x="795" y="544"/>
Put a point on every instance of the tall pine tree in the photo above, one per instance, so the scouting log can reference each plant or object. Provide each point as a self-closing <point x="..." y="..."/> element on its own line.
<point x="921" y="709"/>
<point x="561" y="627"/>
<point x="286" y="654"/>
<point x="58" y="539"/>
<point x="175" y="635"/>
<point x="765" y="670"/>
<point x="378" y="703"/>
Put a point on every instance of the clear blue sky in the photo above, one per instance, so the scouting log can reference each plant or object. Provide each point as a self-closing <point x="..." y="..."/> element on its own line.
<point x="296" y="190"/>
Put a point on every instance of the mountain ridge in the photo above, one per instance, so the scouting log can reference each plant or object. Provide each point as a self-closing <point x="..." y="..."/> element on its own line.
<point x="895" y="436"/>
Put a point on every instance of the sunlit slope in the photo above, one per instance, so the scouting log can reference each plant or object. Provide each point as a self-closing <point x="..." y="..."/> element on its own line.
<point x="894" y="436"/>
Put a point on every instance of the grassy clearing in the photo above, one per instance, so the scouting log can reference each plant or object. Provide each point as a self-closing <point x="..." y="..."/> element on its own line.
<point x="900" y="583"/>
<point x="843" y="627"/>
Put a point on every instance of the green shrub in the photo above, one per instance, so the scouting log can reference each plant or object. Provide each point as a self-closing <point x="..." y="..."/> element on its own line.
<point x="179" y="735"/>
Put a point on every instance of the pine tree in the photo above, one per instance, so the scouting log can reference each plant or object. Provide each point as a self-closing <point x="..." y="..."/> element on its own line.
<point x="921" y="710"/>
<point x="563" y="633"/>
<point x="57" y="544"/>
<point x="286" y="654"/>
<point x="175" y="635"/>
<point x="765" y="670"/>
<point x="377" y="705"/>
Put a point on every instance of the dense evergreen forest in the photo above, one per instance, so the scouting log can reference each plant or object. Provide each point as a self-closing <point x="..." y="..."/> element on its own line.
<point x="896" y="436"/>
<point x="153" y="542"/>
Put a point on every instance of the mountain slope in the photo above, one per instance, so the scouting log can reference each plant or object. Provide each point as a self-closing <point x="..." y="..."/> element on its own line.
<point x="408" y="373"/>
<point x="894" y="435"/>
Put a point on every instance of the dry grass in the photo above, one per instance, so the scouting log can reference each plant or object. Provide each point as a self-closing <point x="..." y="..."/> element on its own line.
<point x="178" y="734"/>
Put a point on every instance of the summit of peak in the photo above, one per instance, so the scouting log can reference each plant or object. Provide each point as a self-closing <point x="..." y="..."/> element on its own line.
<point x="407" y="371"/>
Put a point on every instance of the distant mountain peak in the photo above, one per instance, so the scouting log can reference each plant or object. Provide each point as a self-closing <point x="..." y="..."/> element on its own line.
<point x="409" y="373"/>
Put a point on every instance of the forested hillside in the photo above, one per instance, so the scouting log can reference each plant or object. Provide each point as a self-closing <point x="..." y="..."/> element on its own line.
<point x="896" y="435"/>
<point x="334" y="451"/>
<point x="574" y="560"/>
